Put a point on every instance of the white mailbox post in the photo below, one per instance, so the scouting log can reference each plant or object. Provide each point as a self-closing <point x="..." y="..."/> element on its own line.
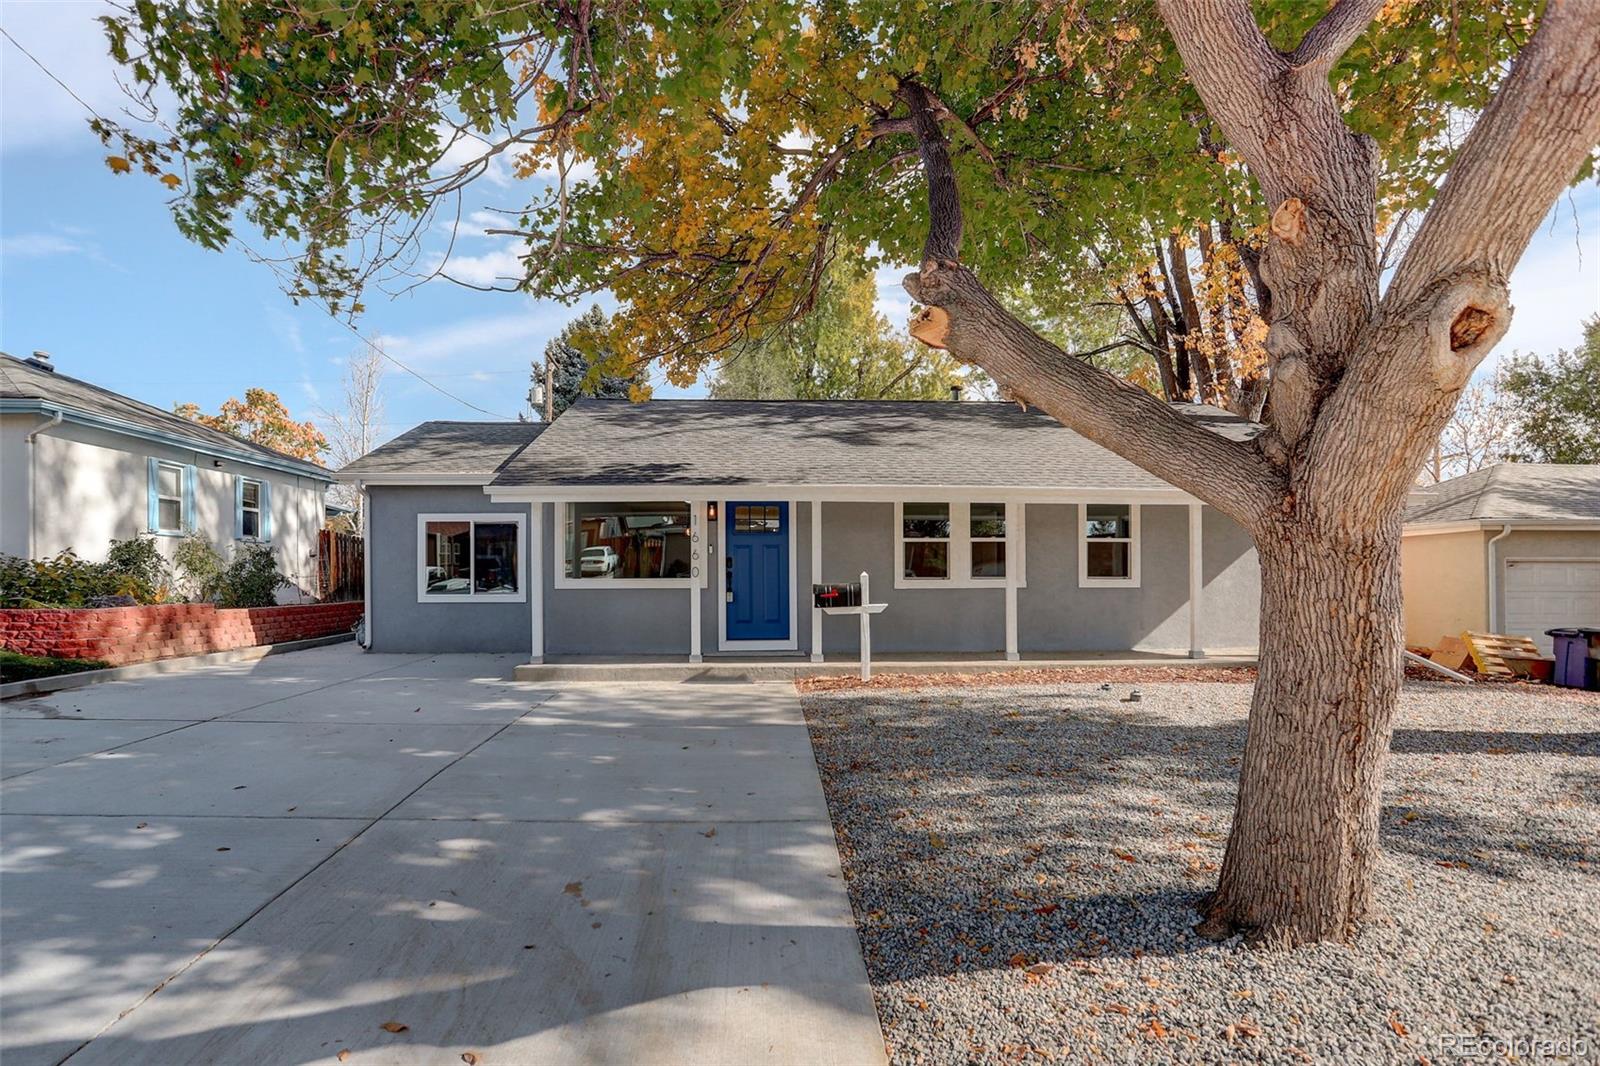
<point x="864" y="611"/>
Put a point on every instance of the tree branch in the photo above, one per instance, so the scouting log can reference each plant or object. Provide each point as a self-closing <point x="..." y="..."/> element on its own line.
<point x="1334" y="33"/>
<point x="1520" y="155"/>
<point x="944" y="201"/>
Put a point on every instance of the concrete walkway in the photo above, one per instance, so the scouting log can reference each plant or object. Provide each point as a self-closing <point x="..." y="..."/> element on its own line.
<point x="267" y="862"/>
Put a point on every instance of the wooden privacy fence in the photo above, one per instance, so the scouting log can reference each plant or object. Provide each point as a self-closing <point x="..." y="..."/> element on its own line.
<point x="341" y="566"/>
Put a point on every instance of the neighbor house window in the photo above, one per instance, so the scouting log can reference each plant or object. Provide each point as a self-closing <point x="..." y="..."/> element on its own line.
<point x="1109" y="546"/>
<point x="253" y="516"/>
<point x="171" y="496"/>
<point x="614" y="542"/>
<point x="925" y="541"/>
<point x="469" y="557"/>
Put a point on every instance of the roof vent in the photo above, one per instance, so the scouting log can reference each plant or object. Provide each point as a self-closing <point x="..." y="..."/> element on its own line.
<point x="41" y="360"/>
<point x="955" y="393"/>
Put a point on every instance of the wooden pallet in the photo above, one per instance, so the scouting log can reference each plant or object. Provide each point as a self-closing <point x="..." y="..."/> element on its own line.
<point x="1490" y="649"/>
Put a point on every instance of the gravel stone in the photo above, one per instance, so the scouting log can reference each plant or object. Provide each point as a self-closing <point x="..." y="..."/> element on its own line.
<point x="1024" y="863"/>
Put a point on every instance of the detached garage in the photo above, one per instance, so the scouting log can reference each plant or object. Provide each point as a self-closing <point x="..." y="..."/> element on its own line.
<point x="1513" y="548"/>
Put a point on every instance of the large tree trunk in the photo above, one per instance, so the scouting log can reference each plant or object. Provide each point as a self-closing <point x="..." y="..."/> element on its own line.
<point x="1361" y="387"/>
<point x="1300" y="857"/>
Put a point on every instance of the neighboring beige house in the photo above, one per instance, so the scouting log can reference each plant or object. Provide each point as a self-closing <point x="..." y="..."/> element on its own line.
<point x="81" y="466"/>
<point x="1512" y="548"/>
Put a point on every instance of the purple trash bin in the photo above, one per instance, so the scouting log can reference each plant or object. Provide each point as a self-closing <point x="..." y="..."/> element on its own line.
<point x="1574" y="668"/>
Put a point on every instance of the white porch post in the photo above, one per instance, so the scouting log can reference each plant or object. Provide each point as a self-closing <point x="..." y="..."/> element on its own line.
<point x="696" y="569"/>
<point x="1196" y="581"/>
<point x="536" y="581"/>
<point x="816" y="576"/>
<point x="1013" y="560"/>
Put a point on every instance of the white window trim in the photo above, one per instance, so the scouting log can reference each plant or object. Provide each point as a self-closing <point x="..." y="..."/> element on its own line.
<point x="1132" y="540"/>
<point x="260" y="511"/>
<point x="960" y="541"/>
<point x="183" y="487"/>
<point x="472" y="596"/>
<point x="697" y="571"/>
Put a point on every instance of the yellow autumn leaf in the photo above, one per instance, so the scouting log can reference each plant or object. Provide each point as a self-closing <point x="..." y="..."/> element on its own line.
<point x="171" y="181"/>
<point x="118" y="164"/>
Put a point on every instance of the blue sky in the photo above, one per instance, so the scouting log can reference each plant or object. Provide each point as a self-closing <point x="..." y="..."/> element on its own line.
<point x="93" y="270"/>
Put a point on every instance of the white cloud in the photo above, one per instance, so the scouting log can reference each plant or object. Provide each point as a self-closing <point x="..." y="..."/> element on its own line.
<point x="498" y="266"/>
<point x="36" y="113"/>
<point x="39" y="245"/>
<point x="490" y="341"/>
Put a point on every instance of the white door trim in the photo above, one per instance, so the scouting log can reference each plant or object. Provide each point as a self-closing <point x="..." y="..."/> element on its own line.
<point x="723" y="643"/>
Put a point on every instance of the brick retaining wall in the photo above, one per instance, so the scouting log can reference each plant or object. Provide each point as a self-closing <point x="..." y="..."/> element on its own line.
<point x="122" y="635"/>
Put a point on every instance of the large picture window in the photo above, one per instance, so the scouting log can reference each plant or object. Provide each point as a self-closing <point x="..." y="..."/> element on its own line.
<point x="957" y="544"/>
<point x="468" y="557"/>
<point x="1108" y="548"/>
<point x="616" y="542"/>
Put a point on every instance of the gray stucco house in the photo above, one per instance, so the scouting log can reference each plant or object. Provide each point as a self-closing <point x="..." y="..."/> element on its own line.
<point x="695" y="528"/>
<point x="81" y="466"/>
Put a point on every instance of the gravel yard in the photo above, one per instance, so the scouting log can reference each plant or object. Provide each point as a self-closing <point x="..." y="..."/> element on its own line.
<point x="1024" y="861"/>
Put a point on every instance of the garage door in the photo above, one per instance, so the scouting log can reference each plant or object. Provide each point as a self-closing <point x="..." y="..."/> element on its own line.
<point x="1542" y="594"/>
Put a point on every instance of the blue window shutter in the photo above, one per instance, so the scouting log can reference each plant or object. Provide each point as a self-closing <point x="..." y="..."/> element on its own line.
<point x="266" y="509"/>
<point x="188" y="498"/>
<point x="238" y="507"/>
<point x="153" y="511"/>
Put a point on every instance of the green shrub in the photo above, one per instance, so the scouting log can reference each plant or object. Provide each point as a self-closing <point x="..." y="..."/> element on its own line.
<point x="251" y="579"/>
<point x="199" y="566"/>
<point x="17" y="667"/>
<point x="65" y="581"/>
<point x="140" y="559"/>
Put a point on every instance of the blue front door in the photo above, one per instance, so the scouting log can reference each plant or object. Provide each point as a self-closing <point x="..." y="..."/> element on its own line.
<point x="757" y="561"/>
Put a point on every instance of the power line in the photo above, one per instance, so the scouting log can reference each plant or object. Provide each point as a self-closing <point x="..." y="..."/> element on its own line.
<point x="262" y="259"/>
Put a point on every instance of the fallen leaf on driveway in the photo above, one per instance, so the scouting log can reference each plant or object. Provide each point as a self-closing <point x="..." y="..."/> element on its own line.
<point x="574" y="888"/>
<point x="1123" y="855"/>
<point x="709" y="833"/>
<point x="344" y="1053"/>
<point x="1048" y="908"/>
<point x="470" y="1058"/>
<point x="395" y="1027"/>
<point x="1396" y="1024"/>
<point x="1041" y="968"/>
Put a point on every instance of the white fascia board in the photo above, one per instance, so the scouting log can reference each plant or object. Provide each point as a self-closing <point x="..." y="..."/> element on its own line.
<point x="358" y="478"/>
<point x="834" y="493"/>
<point x="1424" y="529"/>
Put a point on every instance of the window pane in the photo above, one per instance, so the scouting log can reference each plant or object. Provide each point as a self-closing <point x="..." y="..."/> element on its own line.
<point x="170" y="514"/>
<point x="1107" y="520"/>
<point x="1107" y="559"/>
<point x="988" y="520"/>
<point x="630" y="540"/>
<point x="988" y="558"/>
<point x="447" y="556"/>
<point x="494" y="557"/>
<point x="926" y="519"/>
<point x="762" y="518"/>
<point x="252" y="494"/>
<point x="929" y="558"/>
<point x="170" y="480"/>
<point x="251" y="523"/>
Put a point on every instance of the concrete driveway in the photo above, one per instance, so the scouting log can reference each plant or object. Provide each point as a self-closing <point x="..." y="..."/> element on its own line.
<point x="269" y="862"/>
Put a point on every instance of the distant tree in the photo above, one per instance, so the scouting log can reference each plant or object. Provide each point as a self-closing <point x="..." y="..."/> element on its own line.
<point x="843" y="350"/>
<point x="353" y="429"/>
<point x="261" y="418"/>
<point x="1476" y="436"/>
<point x="586" y="359"/>
<point x="1555" y="402"/>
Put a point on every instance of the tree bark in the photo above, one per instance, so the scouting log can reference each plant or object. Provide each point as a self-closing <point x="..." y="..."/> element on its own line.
<point x="1359" y="391"/>
<point x="1304" y="842"/>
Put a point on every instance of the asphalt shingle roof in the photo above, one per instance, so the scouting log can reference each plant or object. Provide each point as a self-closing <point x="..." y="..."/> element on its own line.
<point x="453" y="448"/>
<point x="826" y="442"/>
<point x="21" y="381"/>
<point x="1512" y="492"/>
